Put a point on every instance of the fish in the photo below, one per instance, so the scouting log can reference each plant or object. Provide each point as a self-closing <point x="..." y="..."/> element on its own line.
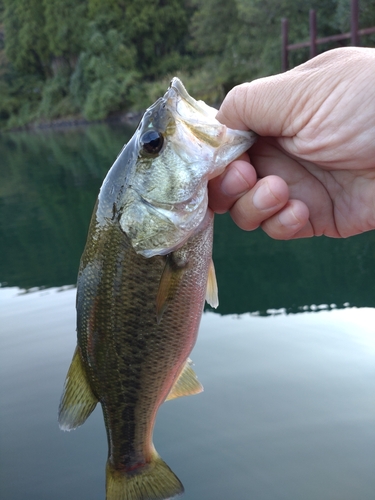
<point x="144" y="275"/>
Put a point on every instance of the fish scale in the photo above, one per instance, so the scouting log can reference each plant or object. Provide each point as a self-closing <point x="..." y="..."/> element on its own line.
<point x="129" y="345"/>
<point x="144" y="275"/>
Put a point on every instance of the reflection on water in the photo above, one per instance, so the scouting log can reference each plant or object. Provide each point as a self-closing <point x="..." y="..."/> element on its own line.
<point x="256" y="273"/>
<point x="287" y="413"/>
<point x="49" y="184"/>
<point x="288" y="410"/>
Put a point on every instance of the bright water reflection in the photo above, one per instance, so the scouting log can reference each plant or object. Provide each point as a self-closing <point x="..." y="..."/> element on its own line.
<point x="288" y="409"/>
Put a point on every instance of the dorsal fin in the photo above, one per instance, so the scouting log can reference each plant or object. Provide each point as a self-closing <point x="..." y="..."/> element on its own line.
<point x="212" y="296"/>
<point x="77" y="400"/>
<point x="187" y="383"/>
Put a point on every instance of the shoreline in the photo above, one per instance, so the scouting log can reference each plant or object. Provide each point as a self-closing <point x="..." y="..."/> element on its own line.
<point x="129" y="118"/>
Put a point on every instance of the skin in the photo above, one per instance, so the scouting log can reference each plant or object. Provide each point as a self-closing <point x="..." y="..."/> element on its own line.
<point x="312" y="170"/>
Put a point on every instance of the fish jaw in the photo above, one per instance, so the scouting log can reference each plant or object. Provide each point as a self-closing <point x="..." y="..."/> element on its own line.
<point x="218" y="144"/>
<point x="159" y="194"/>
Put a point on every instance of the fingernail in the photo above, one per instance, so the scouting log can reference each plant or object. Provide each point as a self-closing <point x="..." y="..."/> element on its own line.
<point x="288" y="219"/>
<point x="233" y="183"/>
<point x="263" y="198"/>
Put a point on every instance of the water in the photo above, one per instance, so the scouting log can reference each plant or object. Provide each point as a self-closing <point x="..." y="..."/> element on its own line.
<point x="287" y="362"/>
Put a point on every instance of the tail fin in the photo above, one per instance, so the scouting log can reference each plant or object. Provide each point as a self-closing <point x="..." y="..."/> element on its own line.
<point x="154" y="481"/>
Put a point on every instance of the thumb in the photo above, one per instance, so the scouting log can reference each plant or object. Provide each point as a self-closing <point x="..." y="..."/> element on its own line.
<point x="266" y="106"/>
<point x="281" y="105"/>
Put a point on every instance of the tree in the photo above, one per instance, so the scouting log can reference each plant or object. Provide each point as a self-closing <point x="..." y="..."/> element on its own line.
<point x="64" y="28"/>
<point x="104" y="74"/>
<point x="26" y="43"/>
<point x="95" y="57"/>
<point x="159" y="31"/>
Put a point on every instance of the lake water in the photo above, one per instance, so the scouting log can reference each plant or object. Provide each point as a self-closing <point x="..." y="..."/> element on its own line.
<point x="287" y="361"/>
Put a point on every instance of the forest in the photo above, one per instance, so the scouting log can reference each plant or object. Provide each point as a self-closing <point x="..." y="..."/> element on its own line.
<point x="95" y="59"/>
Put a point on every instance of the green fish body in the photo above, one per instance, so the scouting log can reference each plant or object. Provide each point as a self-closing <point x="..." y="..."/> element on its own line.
<point x="143" y="279"/>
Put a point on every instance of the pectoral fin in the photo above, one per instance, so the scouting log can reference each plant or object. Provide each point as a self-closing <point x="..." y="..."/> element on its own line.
<point x="77" y="400"/>
<point x="172" y="275"/>
<point x="212" y="296"/>
<point x="187" y="383"/>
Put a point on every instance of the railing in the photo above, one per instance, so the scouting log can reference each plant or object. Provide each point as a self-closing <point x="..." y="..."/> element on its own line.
<point x="354" y="35"/>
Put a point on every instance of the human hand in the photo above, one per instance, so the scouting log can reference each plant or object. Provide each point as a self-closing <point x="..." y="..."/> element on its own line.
<point x="312" y="169"/>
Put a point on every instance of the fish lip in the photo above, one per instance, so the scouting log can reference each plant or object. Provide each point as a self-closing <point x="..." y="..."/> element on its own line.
<point x="179" y="88"/>
<point x="177" y="85"/>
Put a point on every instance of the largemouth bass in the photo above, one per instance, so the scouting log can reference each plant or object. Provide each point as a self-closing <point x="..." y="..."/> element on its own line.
<point x="143" y="278"/>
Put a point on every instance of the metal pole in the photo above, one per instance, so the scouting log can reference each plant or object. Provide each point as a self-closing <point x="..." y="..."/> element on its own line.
<point x="312" y="33"/>
<point x="354" y="22"/>
<point x="284" y="44"/>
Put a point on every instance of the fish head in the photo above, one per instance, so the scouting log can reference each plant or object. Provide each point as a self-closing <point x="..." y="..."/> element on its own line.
<point x="178" y="146"/>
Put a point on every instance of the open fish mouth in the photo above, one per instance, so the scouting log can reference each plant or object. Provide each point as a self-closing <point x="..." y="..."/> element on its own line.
<point x="178" y="86"/>
<point x="199" y="106"/>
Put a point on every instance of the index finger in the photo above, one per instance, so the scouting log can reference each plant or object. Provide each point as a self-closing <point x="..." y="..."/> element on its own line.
<point x="224" y="190"/>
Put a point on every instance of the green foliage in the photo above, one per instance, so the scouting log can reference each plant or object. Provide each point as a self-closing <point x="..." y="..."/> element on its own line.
<point x="366" y="18"/>
<point x="56" y="101"/>
<point x="218" y="36"/>
<point x="20" y="96"/>
<point x="65" y="24"/>
<point x="104" y="73"/>
<point x="199" y="84"/>
<point x="90" y="58"/>
<point x="108" y="14"/>
<point x="158" y="30"/>
<point x="26" y="44"/>
<point x="241" y="39"/>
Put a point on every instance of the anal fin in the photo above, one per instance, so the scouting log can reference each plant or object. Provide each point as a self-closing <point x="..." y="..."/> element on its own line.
<point x="77" y="400"/>
<point x="187" y="383"/>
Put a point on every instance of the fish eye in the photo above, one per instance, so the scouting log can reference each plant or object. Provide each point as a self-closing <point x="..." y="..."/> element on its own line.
<point x="152" y="141"/>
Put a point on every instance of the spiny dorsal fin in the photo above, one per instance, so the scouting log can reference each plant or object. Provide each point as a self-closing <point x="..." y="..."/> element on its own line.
<point x="77" y="400"/>
<point x="212" y="296"/>
<point x="187" y="383"/>
<point x="169" y="281"/>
